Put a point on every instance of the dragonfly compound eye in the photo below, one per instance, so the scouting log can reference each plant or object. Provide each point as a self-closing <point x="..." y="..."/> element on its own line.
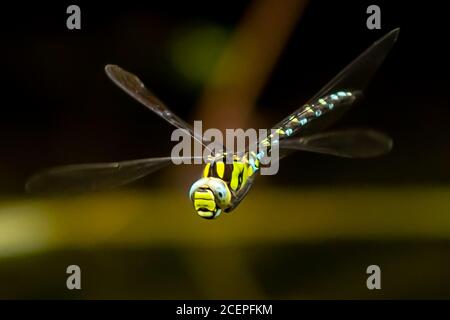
<point x="220" y="189"/>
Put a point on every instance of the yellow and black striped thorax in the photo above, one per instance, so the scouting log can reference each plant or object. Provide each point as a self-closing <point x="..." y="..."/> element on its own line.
<point x="234" y="174"/>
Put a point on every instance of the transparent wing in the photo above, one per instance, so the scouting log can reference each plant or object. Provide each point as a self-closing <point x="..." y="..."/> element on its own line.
<point x="132" y="85"/>
<point x="352" y="143"/>
<point x="356" y="75"/>
<point x="353" y="78"/>
<point x="93" y="176"/>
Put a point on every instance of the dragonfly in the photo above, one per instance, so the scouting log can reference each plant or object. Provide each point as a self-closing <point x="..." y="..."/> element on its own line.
<point x="224" y="184"/>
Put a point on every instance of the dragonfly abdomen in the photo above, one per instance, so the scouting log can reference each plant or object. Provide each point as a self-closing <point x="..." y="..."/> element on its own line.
<point x="310" y="112"/>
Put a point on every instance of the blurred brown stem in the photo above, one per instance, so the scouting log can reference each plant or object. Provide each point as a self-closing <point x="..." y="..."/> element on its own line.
<point x="246" y="63"/>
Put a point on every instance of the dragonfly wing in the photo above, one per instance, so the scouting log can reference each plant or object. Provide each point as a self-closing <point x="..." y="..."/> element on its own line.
<point x="353" y="79"/>
<point x="132" y="85"/>
<point x="357" y="74"/>
<point x="93" y="176"/>
<point x="352" y="143"/>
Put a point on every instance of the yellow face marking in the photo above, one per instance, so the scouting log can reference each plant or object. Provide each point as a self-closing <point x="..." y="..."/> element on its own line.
<point x="220" y="168"/>
<point x="204" y="200"/>
<point x="205" y="214"/>
<point x="210" y="205"/>
<point x="206" y="170"/>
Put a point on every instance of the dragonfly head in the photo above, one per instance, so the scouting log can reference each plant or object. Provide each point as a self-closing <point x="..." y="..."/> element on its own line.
<point x="210" y="196"/>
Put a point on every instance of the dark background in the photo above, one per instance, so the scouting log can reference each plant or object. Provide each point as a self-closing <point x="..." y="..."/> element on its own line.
<point x="308" y="232"/>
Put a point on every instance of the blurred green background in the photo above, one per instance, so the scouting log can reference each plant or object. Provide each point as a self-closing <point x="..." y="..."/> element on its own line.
<point x="309" y="232"/>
